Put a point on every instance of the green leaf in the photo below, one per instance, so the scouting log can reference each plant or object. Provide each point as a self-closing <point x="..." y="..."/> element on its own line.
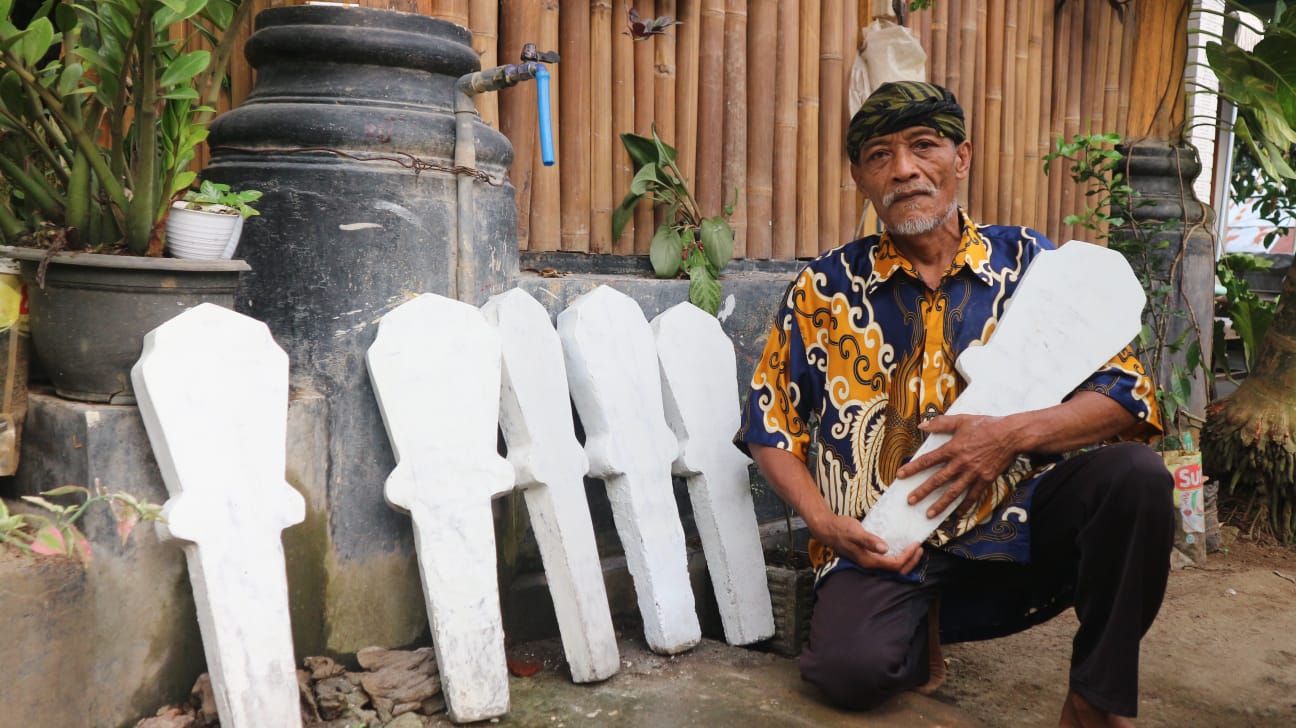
<point x="49" y="541"/>
<point x="182" y="93"/>
<point x="665" y="152"/>
<point x="54" y="508"/>
<point x="5" y="6"/>
<point x="36" y="39"/>
<point x="623" y="213"/>
<point x="184" y="68"/>
<point x="11" y="94"/>
<point x="717" y="241"/>
<point x="729" y="208"/>
<point x="182" y="181"/>
<point x="646" y="176"/>
<point x="70" y="78"/>
<point x="704" y="290"/>
<point x="66" y="490"/>
<point x="666" y="252"/>
<point x="642" y="150"/>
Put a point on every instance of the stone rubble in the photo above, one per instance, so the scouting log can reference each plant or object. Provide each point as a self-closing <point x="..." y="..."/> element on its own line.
<point x="393" y="689"/>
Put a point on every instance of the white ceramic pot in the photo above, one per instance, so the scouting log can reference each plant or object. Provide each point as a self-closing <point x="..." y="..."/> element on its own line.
<point x="202" y="234"/>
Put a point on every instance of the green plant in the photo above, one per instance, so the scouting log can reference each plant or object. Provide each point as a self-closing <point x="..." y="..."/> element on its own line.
<point x="1099" y="167"/>
<point x="210" y="195"/>
<point x="1250" y="314"/>
<point x="685" y="242"/>
<point x="102" y="106"/>
<point x="57" y="534"/>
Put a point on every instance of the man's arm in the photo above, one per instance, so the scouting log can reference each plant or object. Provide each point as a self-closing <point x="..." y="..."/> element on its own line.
<point x="843" y="534"/>
<point x="982" y="448"/>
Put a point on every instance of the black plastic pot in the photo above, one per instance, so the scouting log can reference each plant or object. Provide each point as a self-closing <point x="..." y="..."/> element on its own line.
<point x="89" y="319"/>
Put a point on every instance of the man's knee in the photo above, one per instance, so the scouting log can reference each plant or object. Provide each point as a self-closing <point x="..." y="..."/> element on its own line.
<point x="1140" y="483"/>
<point x="859" y="677"/>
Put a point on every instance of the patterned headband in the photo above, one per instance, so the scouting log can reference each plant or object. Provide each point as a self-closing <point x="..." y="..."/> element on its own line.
<point x="899" y="105"/>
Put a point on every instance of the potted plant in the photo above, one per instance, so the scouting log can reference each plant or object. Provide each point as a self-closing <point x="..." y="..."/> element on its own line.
<point x="102" y="106"/>
<point x="686" y="243"/>
<point x="206" y="223"/>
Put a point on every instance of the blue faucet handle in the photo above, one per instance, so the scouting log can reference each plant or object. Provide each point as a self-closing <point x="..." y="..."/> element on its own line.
<point x="545" y="116"/>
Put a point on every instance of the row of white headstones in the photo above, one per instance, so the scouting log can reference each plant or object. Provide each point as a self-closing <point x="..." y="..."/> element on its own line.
<point x="654" y="400"/>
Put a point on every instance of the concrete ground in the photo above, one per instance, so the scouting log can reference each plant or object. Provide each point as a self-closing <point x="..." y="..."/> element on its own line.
<point x="711" y="686"/>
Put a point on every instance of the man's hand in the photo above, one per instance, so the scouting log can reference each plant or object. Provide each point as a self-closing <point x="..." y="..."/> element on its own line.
<point x="980" y="449"/>
<point x="847" y="538"/>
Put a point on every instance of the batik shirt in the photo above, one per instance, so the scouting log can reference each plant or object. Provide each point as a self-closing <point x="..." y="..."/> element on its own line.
<point x="865" y="349"/>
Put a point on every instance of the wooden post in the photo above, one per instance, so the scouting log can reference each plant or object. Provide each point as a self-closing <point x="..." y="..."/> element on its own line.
<point x="603" y="141"/>
<point x="830" y="125"/>
<point x="711" y="105"/>
<point x="623" y="120"/>
<point x="645" y="112"/>
<point x="546" y="194"/>
<point x="783" y="244"/>
<point x="574" y="128"/>
<point x="762" y="50"/>
<point x="518" y="109"/>
<point x="807" y="244"/>
<point x="483" y="18"/>
<point x="688" y="36"/>
<point x="733" y="175"/>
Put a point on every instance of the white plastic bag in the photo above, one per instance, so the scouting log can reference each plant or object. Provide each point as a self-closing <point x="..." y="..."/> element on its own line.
<point x="889" y="52"/>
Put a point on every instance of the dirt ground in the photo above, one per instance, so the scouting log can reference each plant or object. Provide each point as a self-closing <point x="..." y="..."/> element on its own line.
<point x="1221" y="653"/>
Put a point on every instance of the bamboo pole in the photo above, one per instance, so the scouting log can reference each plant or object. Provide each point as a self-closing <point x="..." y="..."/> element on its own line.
<point x="1070" y="191"/>
<point x="848" y="194"/>
<point x="966" y="65"/>
<point x="574" y="129"/>
<point x="830" y="113"/>
<point x="733" y="173"/>
<point x="602" y="141"/>
<point x="1029" y="172"/>
<point x="991" y="180"/>
<point x="456" y="11"/>
<point x="1014" y="148"/>
<point x="807" y="243"/>
<point x="783" y="245"/>
<point x="483" y="18"/>
<point x="546" y="192"/>
<point x="623" y="120"/>
<point x="938" y="54"/>
<point x="762" y="50"/>
<point x="664" y="78"/>
<point x="1157" y="107"/>
<point x="688" y="35"/>
<point x="1057" y="117"/>
<point x="1126" y="71"/>
<point x="1042" y="199"/>
<point x="1112" y="84"/>
<point x="518" y="110"/>
<point x="645" y="113"/>
<point x="711" y="104"/>
<point x="978" y="106"/>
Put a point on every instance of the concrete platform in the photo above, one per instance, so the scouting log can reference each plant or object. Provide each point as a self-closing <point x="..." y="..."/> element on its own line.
<point x="711" y="686"/>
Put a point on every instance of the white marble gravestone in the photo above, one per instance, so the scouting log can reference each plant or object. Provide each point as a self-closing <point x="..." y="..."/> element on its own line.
<point x="612" y="370"/>
<point x="550" y="465"/>
<point x="212" y="387"/>
<point x="435" y="369"/>
<point x="1075" y="308"/>
<point x="700" y="387"/>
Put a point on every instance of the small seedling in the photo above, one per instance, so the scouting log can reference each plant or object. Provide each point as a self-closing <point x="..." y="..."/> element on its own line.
<point x="211" y="193"/>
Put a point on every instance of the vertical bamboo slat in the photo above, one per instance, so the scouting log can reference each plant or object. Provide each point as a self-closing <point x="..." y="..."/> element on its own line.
<point x="644" y="114"/>
<point x="518" y="110"/>
<point x="990" y="181"/>
<point x="1044" y="130"/>
<point x="1029" y="174"/>
<point x="688" y="35"/>
<point x="711" y="104"/>
<point x="807" y="244"/>
<point x="1126" y="71"/>
<point x="623" y="120"/>
<point x="976" y="104"/>
<point x="456" y="11"/>
<point x="848" y="194"/>
<point x="938" y="54"/>
<point x="1071" y="122"/>
<point x="574" y="110"/>
<point x="1111" y="86"/>
<point x="602" y="141"/>
<point x="546" y="195"/>
<point x="733" y="174"/>
<point x="965" y="63"/>
<point x="830" y="113"/>
<point x="784" y="236"/>
<point x="1013" y="153"/>
<point x="664" y="78"/>
<point x="1057" y="118"/>
<point x="762" y="49"/>
<point x="483" y="19"/>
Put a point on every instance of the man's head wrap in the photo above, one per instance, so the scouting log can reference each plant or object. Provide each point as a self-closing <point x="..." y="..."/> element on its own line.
<point x="899" y="105"/>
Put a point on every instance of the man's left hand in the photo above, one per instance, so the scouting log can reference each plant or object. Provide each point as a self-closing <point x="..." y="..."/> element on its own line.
<point x="980" y="449"/>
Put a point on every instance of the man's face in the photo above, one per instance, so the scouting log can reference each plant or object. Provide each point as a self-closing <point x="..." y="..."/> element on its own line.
<point x="911" y="177"/>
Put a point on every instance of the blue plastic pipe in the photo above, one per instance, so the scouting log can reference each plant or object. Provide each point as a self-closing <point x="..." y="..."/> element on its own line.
<point x="546" y="119"/>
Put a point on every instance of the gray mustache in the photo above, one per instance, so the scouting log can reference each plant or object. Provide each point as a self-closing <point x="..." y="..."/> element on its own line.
<point x="890" y="196"/>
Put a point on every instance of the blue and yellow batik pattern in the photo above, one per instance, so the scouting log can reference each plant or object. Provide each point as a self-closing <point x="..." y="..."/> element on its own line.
<point x="866" y="349"/>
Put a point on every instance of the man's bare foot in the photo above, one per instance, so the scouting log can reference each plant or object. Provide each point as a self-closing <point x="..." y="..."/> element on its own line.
<point x="1079" y="713"/>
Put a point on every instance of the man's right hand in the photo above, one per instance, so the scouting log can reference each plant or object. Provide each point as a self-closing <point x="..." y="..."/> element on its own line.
<point x="848" y="539"/>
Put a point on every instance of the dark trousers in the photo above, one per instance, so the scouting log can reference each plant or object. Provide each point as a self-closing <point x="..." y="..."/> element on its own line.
<point x="1101" y="528"/>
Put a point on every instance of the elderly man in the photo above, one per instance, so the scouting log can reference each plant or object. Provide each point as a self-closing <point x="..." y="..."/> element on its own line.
<point x="863" y="347"/>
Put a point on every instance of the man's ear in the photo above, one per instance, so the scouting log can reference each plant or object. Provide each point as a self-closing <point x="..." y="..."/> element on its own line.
<point x="962" y="159"/>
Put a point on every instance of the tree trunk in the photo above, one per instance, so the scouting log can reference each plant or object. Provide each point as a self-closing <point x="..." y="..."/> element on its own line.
<point x="1248" y="435"/>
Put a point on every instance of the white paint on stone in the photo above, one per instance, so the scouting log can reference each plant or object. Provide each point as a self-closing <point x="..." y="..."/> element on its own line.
<point x="700" y="387"/>
<point x="435" y="370"/>
<point x="612" y="370"/>
<point x="535" y="416"/>
<point x="1075" y="308"/>
<point x="212" y="387"/>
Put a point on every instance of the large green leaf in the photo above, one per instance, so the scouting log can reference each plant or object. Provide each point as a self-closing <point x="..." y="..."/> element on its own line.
<point x="11" y="94"/>
<point x="642" y="150"/>
<point x="666" y="252"/>
<point x="623" y="213"/>
<point x="704" y="290"/>
<point x="36" y="40"/>
<point x="717" y="242"/>
<point x="184" y="68"/>
<point x="646" y="175"/>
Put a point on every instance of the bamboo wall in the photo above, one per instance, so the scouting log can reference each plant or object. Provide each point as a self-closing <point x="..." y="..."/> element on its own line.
<point x="753" y="94"/>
